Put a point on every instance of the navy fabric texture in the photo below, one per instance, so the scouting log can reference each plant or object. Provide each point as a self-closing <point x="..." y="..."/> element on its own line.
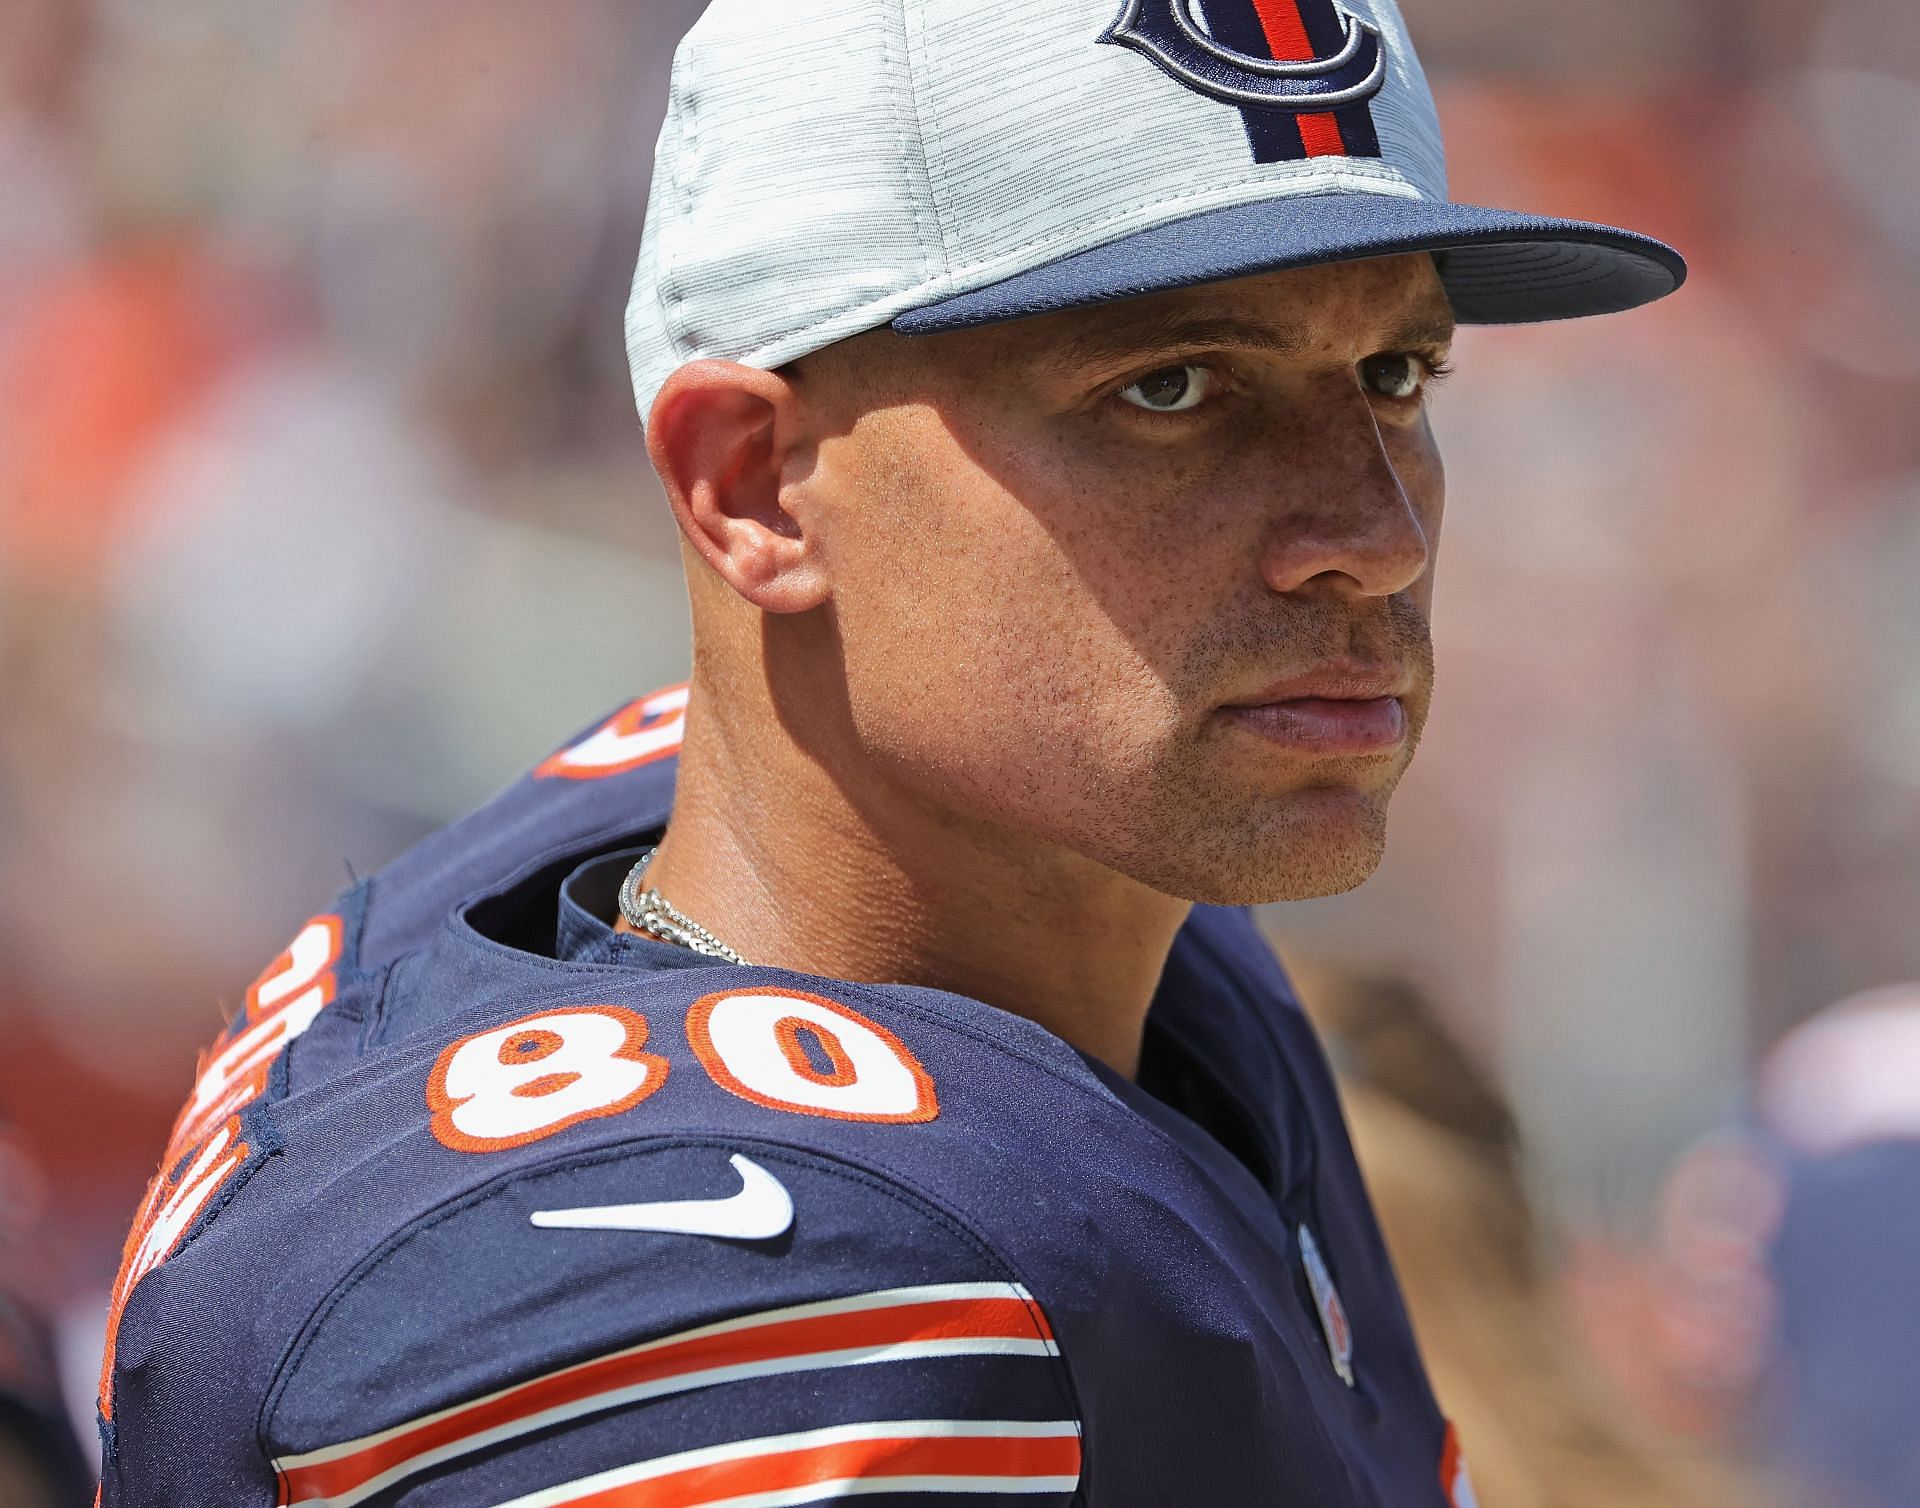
<point x="366" y="1274"/>
<point x="1499" y="267"/>
<point x="470" y="1298"/>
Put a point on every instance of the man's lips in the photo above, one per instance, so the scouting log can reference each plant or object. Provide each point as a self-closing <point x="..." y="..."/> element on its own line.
<point x="1330" y="712"/>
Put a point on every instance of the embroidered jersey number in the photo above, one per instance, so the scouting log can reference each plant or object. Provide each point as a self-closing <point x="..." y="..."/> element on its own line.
<point x="810" y="1055"/>
<point x="280" y="1006"/>
<point x="805" y="1054"/>
<point x="533" y="1077"/>
<point x="205" y="1148"/>
<point x="638" y="734"/>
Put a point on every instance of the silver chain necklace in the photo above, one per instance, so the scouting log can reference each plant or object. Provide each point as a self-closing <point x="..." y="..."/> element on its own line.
<point x="651" y="912"/>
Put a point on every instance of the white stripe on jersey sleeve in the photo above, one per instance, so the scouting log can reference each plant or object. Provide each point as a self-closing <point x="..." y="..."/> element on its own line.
<point x="1007" y="1456"/>
<point x="899" y="1324"/>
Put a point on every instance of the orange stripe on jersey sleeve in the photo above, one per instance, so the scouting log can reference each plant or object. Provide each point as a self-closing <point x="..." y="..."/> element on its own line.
<point x="1001" y="1318"/>
<point x="1001" y="1457"/>
<point x="971" y="1461"/>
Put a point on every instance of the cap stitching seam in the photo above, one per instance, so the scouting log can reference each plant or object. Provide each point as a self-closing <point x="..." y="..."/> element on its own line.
<point x="1598" y="275"/>
<point x="667" y="275"/>
<point x="913" y="149"/>
<point x="926" y="119"/>
<point x="1542" y="254"/>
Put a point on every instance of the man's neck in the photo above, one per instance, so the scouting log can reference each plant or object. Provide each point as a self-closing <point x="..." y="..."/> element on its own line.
<point x="771" y="855"/>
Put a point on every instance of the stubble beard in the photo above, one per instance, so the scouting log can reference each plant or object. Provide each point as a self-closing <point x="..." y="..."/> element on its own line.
<point x="1214" y="827"/>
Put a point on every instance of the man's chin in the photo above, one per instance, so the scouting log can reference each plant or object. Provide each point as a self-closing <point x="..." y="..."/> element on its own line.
<point x="1325" y="844"/>
<point x="1333" y="879"/>
<point x="1301" y="883"/>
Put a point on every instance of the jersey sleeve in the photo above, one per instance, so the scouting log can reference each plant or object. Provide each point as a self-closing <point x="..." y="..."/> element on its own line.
<point x="678" y="1323"/>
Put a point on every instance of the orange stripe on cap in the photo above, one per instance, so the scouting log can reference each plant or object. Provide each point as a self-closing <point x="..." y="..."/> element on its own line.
<point x="1288" y="41"/>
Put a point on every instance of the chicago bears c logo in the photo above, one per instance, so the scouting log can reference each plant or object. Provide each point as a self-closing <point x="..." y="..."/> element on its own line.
<point x="1301" y="71"/>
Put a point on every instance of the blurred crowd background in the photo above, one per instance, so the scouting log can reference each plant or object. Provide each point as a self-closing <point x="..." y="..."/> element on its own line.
<point x="324" y="511"/>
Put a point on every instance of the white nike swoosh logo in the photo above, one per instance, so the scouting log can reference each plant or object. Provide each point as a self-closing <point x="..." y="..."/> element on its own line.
<point x="760" y="1211"/>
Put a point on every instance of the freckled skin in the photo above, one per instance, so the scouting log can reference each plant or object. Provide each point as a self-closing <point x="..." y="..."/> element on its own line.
<point x="1043" y="601"/>
<point x="966" y="621"/>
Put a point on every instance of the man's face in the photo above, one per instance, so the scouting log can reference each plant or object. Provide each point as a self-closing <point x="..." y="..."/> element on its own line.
<point x="1149" y="581"/>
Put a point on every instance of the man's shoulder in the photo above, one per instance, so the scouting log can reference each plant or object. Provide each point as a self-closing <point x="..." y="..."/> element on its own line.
<point x="590" y="1192"/>
<point x="613" y="778"/>
<point x="481" y="1062"/>
<point x="656" y="1294"/>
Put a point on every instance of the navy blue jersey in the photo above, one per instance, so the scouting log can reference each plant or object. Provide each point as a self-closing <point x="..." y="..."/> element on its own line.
<point x="480" y="1202"/>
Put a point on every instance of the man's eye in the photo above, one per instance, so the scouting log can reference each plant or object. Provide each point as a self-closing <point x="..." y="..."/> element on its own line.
<point x="1171" y="390"/>
<point x="1397" y="375"/>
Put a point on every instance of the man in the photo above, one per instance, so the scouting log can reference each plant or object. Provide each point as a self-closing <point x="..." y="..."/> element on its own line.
<point x="860" y="1104"/>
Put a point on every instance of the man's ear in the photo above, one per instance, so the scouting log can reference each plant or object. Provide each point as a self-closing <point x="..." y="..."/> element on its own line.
<point x="720" y="436"/>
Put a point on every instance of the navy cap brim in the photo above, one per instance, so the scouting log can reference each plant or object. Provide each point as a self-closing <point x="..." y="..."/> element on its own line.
<point x="1499" y="267"/>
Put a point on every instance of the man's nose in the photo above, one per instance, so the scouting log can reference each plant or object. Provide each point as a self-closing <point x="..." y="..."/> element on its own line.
<point x="1342" y="520"/>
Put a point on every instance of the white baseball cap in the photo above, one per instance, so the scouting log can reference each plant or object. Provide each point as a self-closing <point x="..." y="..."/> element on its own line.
<point x="833" y="166"/>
